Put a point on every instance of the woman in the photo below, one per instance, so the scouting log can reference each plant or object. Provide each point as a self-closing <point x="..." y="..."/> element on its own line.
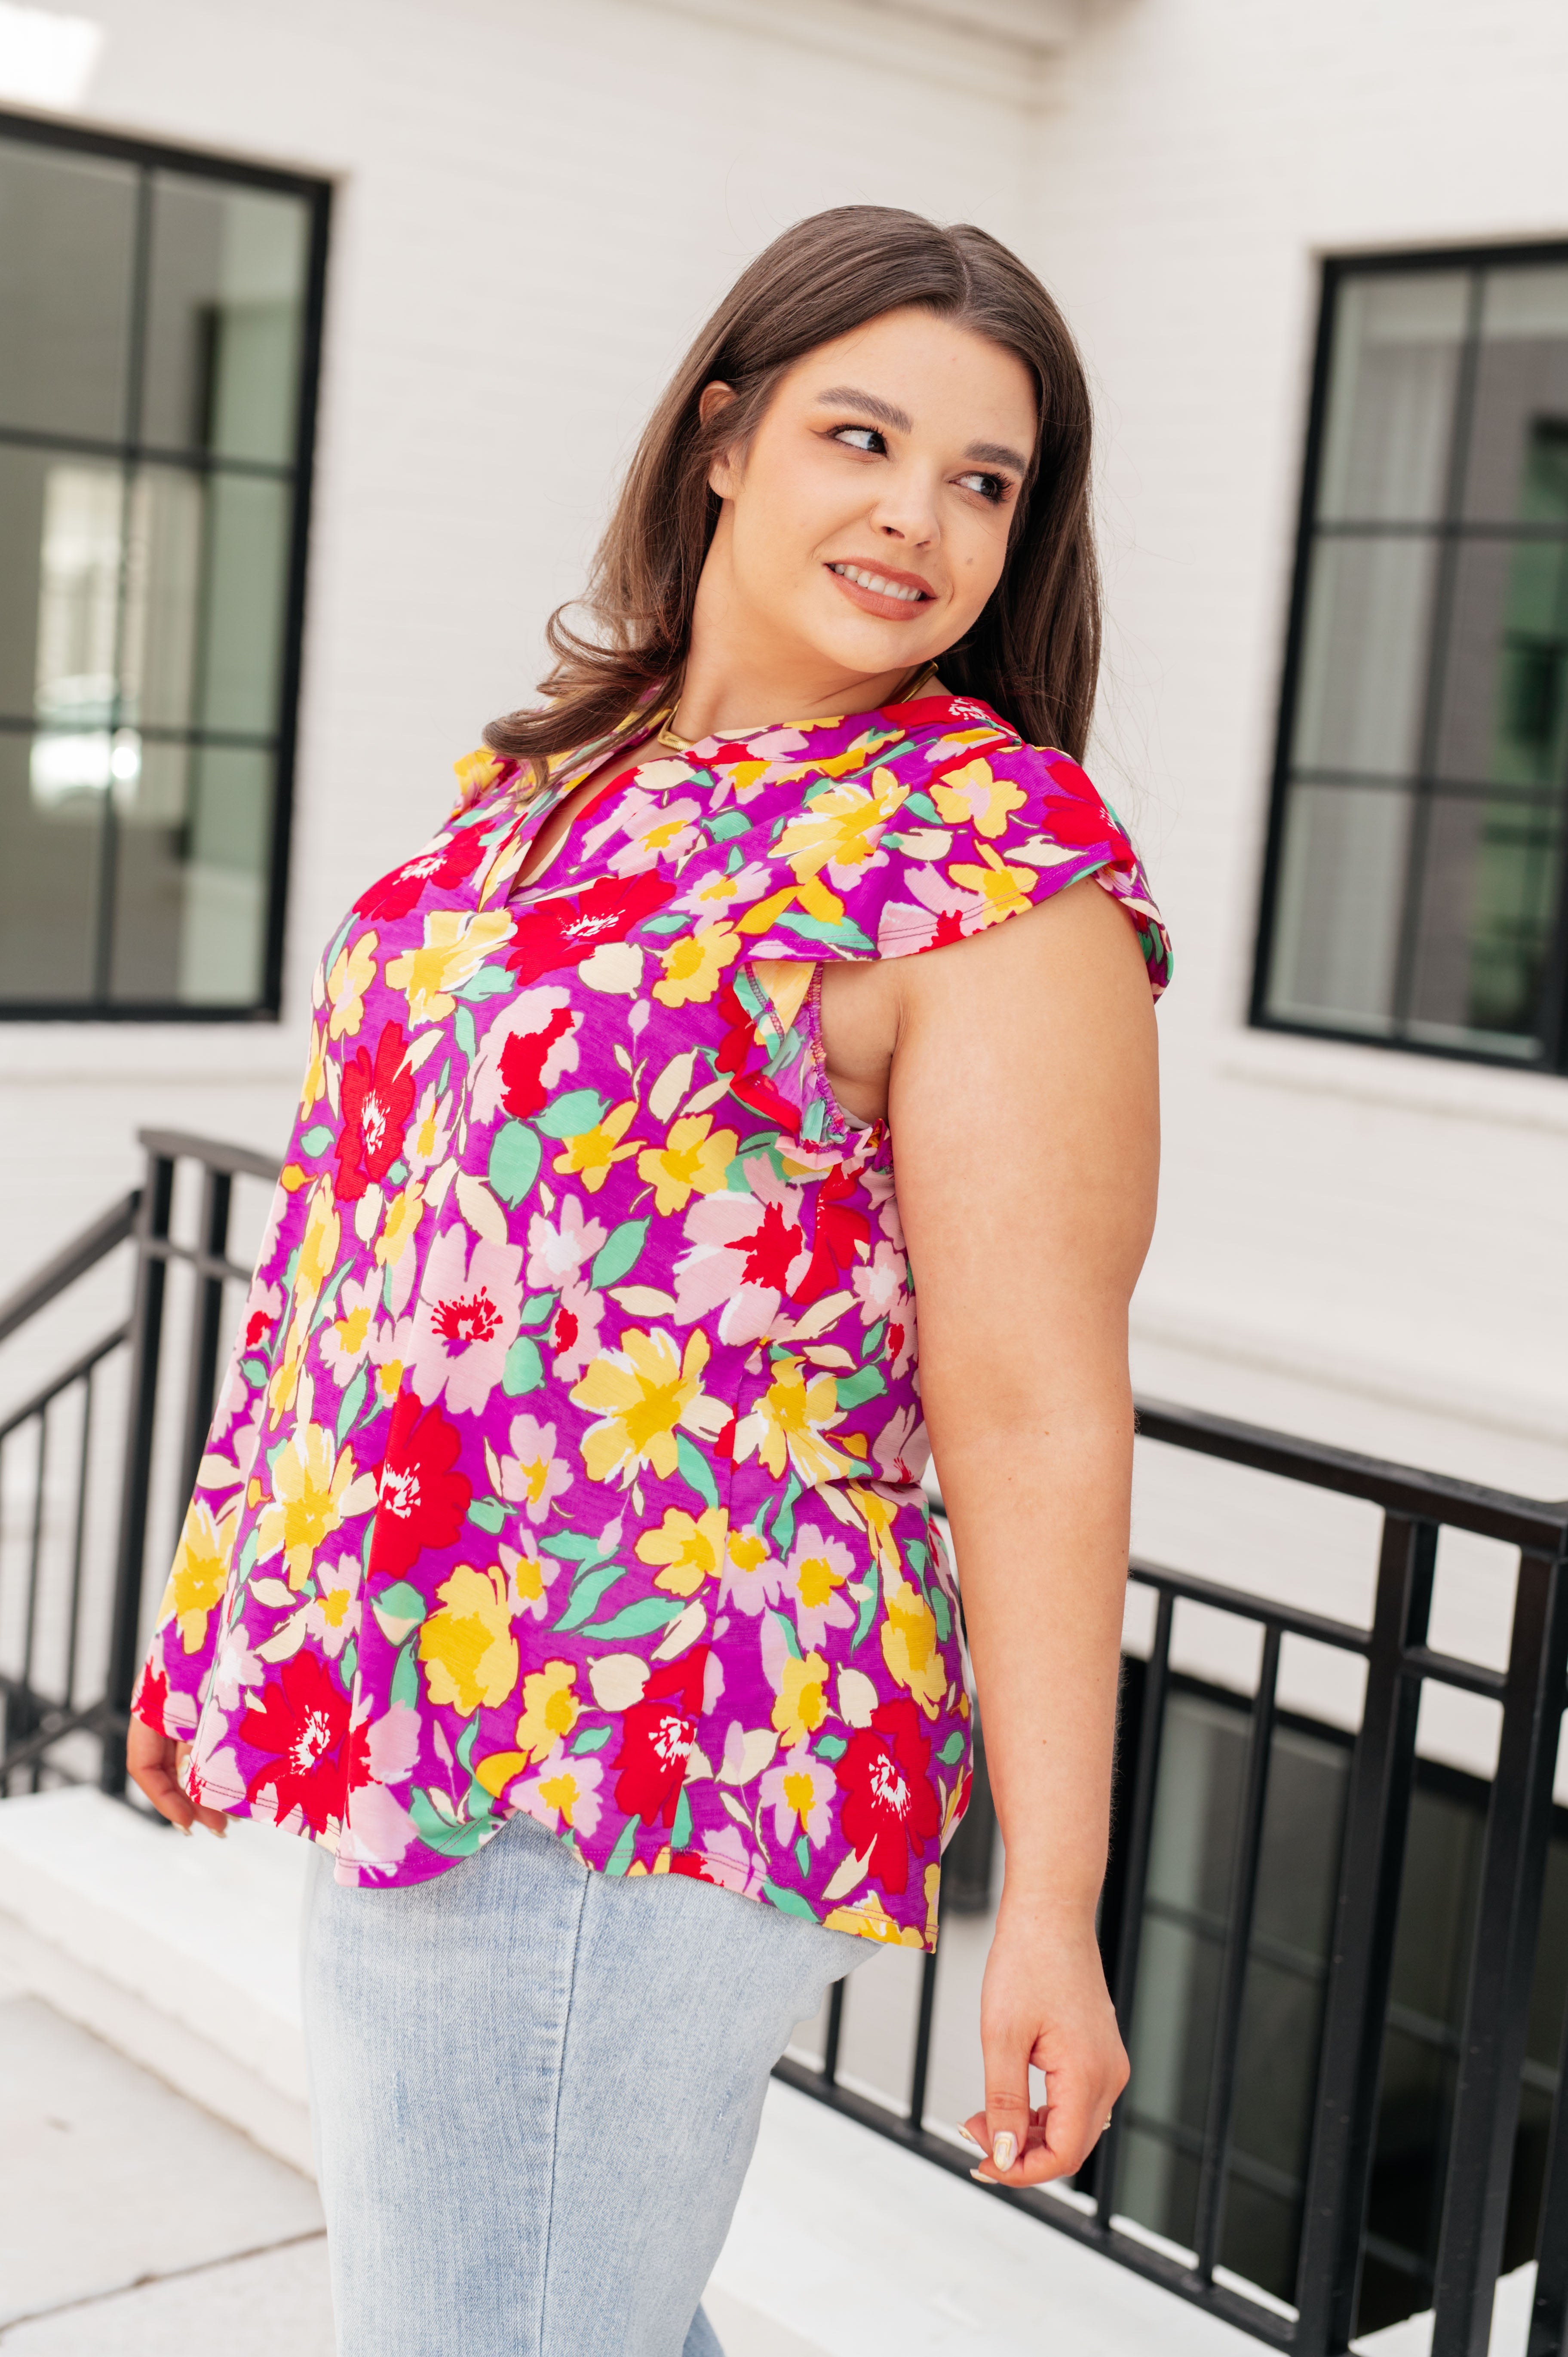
<point x="567" y="1480"/>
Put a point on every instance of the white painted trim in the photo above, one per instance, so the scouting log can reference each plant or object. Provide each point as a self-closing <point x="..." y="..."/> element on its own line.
<point x="1382" y="1076"/>
<point x="1005" y="50"/>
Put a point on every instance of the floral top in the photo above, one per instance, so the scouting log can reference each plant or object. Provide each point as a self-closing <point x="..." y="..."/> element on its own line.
<point x="570" y="1457"/>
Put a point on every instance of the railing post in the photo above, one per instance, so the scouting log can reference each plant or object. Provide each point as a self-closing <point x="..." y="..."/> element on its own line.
<point x="1371" y="1869"/>
<point x="1550" y="2311"/>
<point x="146" y="1337"/>
<point x="1508" y="1923"/>
<point x="206" y="1324"/>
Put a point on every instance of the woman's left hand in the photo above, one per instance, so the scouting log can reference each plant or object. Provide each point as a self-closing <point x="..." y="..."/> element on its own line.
<point x="1044" y="2001"/>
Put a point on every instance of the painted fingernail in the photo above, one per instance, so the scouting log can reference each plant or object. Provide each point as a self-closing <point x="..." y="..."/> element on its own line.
<point x="186" y="1831"/>
<point x="1004" y="2151"/>
<point x="982" y="2180"/>
<point x="969" y="2137"/>
<point x="221" y="1828"/>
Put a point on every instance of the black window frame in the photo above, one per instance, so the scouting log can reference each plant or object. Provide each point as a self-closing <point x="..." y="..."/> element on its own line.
<point x="148" y="157"/>
<point x="1450" y="531"/>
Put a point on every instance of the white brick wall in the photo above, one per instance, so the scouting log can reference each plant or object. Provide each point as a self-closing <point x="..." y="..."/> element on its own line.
<point x="536" y="205"/>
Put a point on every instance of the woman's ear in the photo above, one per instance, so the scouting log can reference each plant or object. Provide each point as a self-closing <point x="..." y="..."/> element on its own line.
<point x="724" y="475"/>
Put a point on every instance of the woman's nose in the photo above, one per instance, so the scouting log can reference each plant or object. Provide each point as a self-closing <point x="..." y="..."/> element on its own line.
<point x="906" y="510"/>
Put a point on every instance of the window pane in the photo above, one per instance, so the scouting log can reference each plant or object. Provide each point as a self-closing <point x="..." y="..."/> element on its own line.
<point x="1504" y="712"/>
<point x="1397" y="343"/>
<point x="1521" y="396"/>
<point x="1490" y="882"/>
<point x="60" y="528"/>
<point x="1338" y="906"/>
<point x="49" y="880"/>
<point x="67" y="227"/>
<point x="194" y="849"/>
<point x="1364" y="654"/>
<point x="224" y="319"/>
<point x="244" y="584"/>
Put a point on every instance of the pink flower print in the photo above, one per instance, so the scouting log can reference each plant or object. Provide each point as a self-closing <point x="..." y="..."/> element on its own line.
<point x="534" y="1476"/>
<point x="505" y="1068"/>
<point x="726" y="1859"/>
<point x="378" y="1831"/>
<point x="345" y="1337"/>
<point x="262" y="1304"/>
<point x="236" y="1671"/>
<point x="556" y="1254"/>
<point x="574" y="1333"/>
<point x="564" y="1793"/>
<point x="937" y="916"/>
<point x="332" y="1616"/>
<point x="902" y="1450"/>
<point x="748" y="1252"/>
<point x="879" y="1285"/>
<point x="800" y="1791"/>
<point x="818" y="1571"/>
<point x="429" y="1133"/>
<point x="391" y="1347"/>
<point x="652" y="829"/>
<point x="715" y="891"/>
<point x="466" y="1319"/>
<point x="751" y="1577"/>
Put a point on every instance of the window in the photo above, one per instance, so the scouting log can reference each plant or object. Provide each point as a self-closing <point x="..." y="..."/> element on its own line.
<point x="1414" y="887"/>
<point x="159" y="323"/>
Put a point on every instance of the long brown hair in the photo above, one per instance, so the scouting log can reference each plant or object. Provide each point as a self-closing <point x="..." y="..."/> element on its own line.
<point x="1034" y="654"/>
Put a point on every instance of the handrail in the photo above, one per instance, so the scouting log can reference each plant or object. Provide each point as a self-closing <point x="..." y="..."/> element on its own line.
<point x="74" y="1260"/>
<point x="236" y="1161"/>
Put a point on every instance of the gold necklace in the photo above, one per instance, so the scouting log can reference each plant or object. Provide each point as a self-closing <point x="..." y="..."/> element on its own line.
<point x="910" y="690"/>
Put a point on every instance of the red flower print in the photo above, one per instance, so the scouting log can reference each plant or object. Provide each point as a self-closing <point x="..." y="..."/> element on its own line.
<point x="444" y="864"/>
<point x="523" y="1090"/>
<point x="152" y="1699"/>
<point x="889" y="1802"/>
<point x="657" y="1736"/>
<point x="420" y="1501"/>
<point x="302" y="1722"/>
<point x="1075" y="813"/>
<point x="377" y="1102"/>
<point x="838" y="1231"/>
<point x="565" y="930"/>
<point x="771" y="1250"/>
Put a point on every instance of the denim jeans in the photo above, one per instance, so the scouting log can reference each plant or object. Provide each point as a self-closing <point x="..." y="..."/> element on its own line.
<point x="535" y="2093"/>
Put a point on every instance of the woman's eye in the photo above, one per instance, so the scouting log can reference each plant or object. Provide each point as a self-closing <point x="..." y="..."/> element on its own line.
<point x="989" y="487"/>
<point x="860" y="437"/>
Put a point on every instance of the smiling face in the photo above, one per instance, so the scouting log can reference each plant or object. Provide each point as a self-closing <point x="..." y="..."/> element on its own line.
<point x="866" y="524"/>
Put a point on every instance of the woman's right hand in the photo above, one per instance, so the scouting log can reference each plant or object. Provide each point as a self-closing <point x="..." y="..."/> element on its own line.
<point x="151" y="1762"/>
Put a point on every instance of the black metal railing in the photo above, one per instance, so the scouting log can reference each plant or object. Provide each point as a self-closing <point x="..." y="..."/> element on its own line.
<point x="1399" y="1662"/>
<point x="76" y="1563"/>
<point x="74" y="1512"/>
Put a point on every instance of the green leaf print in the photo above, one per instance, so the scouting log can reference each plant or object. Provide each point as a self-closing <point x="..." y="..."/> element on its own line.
<point x="784" y="1520"/>
<point x="952" y="1749"/>
<point x="681" y="1830"/>
<point x="489" y="982"/>
<point x="514" y="1162"/>
<point x="873" y="1342"/>
<point x="524" y="1369"/>
<point x="831" y="1746"/>
<point x="941" y="1615"/>
<point x="696" y="1470"/>
<point x="590" y="1738"/>
<point x="405" y="1676"/>
<point x="587" y="1593"/>
<point x="788" y="1628"/>
<point x="665" y="924"/>
<point x="398" y="1609"/>
<point x="619" y="1253"/>
<point x="803" y="1855"/>
<point x="254" y="1372"/>
<point x="572" y="1546"/>
<point x="353" y="1400"/>
<point x="465" y="1745"/>
<point x="536" y="1309"/>
<point x="790" y="1900"/>
<point x="625" y="1850"/>
<point x="922" y="806"/>
<point x="317" y="1140"/>
<point x="638" y="1620"/>
<point x="464" y="1032"/>
<point x="350" y="1664"/>
<point x="490" y="1513"/>
<point x="579" y="1110"/>
<point x="867" y="1605"/>
<point x="845" y="934"/>
<point x="452" y="1839"/>
<point x="869" y="1383"/>
<point x="728" y="824"/>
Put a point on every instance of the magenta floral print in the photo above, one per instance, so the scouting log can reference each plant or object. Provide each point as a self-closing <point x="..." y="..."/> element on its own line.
<point x="571" y="1456"/>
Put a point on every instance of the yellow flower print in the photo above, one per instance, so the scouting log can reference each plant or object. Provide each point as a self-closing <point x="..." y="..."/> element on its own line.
<point x="201" y="1572"/>
<point x="643" y="1391"/>
<point x="474" y="773"/>
<point x="801" y="1706"/>
<point x="909" y="1644"/>
<point x="468" y="1648"/>
<point x="353" y="970"/>
<point x="877" y="1513"/>
<point x="689" y="1163"/>
<point x="842" y="828"/>
<point x="318" y="1246"/>
<point x="788" y="1425"/>
<point x="871" y="1921"/>
<point x="1005" y="890"/>
<point x="306" y="1506"/>
<point x="689" y="1550"/>
<point x="314" y="1084"/>
<point x="404" y="1213"/>
<point x="694" y="964"/>
<point x="550" y="1709"/>
<point x="592" y="1154"/>
<point x="456" y="943"/>
<point x="975" y="793"/>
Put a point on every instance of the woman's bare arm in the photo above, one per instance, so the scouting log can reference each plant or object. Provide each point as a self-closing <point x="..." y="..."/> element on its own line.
<point x="1025" y="1113"/>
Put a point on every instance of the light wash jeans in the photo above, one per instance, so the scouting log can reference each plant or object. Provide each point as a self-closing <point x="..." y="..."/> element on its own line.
<point x="535" y="2092"/>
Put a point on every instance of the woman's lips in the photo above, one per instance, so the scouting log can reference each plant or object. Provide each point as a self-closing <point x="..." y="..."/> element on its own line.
<point x="892" y="606"/>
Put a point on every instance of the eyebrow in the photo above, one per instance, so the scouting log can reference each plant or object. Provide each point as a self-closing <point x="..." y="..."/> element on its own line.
<point x="851" y="396"/>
